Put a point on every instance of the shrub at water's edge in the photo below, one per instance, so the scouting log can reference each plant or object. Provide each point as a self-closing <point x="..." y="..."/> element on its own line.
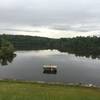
<point x="6" y="49"/>
<point x="6" y="52"/>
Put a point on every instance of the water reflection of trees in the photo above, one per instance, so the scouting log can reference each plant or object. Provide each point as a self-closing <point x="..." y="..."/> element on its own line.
<point x="7" y="59"/>
<point x="83" y="53"/>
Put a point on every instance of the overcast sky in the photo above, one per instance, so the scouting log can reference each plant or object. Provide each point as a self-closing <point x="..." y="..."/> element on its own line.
<point x="50" y="18"/>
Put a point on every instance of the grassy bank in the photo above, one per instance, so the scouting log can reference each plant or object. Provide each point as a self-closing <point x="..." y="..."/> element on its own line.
<point x="12" y="90"/>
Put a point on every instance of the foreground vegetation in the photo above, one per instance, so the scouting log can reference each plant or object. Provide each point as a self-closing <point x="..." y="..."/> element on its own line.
<point x="12" y="90"/>
<point x="81" y="46"/>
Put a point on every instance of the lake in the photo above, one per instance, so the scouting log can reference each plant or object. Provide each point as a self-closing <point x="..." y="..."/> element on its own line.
<point x="28" y="65"/>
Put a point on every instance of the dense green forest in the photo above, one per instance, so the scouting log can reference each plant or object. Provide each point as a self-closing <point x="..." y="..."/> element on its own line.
<point x="81" y="46"/>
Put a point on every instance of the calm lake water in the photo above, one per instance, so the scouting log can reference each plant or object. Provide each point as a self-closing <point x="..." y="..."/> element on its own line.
<point x="28" y="65"/>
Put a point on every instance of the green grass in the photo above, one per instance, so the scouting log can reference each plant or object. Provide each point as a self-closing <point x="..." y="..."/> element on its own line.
<point x="13" y="90"/>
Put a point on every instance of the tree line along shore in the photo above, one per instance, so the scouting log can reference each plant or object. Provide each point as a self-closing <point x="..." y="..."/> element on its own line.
<point x="80" y="46"/>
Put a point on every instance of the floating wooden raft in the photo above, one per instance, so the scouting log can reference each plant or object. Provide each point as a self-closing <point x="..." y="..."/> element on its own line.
<point x="50" y="69"/>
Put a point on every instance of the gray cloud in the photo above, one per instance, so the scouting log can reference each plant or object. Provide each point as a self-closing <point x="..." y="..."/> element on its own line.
<point x="50" y="11"/>
<point x="57" y="14"/>
<point x="77" y="27"/>
<point x="20" y="30"/>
